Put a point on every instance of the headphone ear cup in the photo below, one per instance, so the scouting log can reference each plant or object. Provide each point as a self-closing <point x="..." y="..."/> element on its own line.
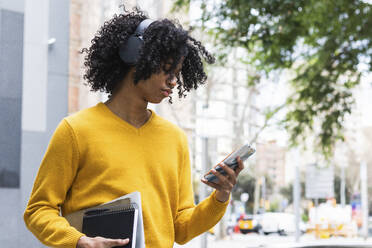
<point x="129" y="52"/>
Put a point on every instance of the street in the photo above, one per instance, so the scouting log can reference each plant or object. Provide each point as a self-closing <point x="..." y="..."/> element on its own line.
<point x="273" y="240"/>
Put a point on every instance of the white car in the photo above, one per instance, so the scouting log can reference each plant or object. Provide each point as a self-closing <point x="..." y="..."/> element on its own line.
<point x="282" y="223"/>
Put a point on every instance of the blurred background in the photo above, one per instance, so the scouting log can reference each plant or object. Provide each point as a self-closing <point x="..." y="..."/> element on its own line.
<point x="292" y="78"/>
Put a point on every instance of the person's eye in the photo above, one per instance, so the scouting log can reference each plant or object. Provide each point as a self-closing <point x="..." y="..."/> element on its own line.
<point x="177" y="74"/>
<point x="170" y="78"/>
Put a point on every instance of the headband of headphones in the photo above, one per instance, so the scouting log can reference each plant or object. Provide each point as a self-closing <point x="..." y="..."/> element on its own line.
<point x="130" y="51"/>
<point x="140" y="30"/>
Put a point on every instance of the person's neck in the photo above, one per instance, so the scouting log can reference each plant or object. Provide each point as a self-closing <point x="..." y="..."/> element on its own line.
<point x="128" y="106"/>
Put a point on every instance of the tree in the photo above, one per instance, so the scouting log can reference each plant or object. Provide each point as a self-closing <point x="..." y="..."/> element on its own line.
<point x="327" y="44"/>
<point x="287" y="191"/>
<point x="247" y="184"/>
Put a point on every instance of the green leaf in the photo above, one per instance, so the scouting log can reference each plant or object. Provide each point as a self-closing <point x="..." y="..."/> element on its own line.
<point x="322" y="42"/>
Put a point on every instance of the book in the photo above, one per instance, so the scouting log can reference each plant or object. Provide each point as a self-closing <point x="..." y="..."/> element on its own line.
<point x="114" y="223"/>
<point x="75" y="219"/>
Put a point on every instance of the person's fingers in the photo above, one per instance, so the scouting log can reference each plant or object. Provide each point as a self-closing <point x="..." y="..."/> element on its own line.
<point x="240" y="167"/>
<point x="116" y="242"/>
<point x="221" y="178"/>
<point x="231" y="174"/>
<point x="224" y="182"/>
<point x="213" y="185"/>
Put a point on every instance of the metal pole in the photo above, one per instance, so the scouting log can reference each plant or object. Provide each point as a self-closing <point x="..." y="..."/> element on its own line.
<point x="342" y="188"/>
<point x="364" y="198"/>
<point x="264" y="194"/>
<point x="203" y="187"/>
<point x="296" y="202"/>
<point x="237" y="135"/>
<point x="256" y="196"/>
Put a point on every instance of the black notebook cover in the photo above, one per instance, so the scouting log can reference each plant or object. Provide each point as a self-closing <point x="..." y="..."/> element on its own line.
<point x="114" y="224"/>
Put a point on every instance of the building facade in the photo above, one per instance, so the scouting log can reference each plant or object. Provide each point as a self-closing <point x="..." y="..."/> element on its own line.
<point x="270" y="159"/>
<point x="34" y="43"/>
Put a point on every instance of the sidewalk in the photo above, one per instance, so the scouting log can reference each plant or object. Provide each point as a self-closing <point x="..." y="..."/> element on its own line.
<point x="256" y="241"/>
<point x="236" y="242"/>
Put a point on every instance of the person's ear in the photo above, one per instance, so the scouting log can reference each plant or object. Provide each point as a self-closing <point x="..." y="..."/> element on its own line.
<point x="131" y="73"/>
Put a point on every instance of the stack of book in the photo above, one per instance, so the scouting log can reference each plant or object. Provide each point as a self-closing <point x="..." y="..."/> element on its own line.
<point x="117" y="219"/>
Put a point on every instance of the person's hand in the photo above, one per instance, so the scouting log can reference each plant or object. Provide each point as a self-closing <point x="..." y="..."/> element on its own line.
<point x="99" y="242"/>
<point x="226" y="182"/>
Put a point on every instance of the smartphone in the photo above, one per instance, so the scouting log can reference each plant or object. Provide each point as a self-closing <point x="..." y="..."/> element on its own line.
<point x="243" y="152"/>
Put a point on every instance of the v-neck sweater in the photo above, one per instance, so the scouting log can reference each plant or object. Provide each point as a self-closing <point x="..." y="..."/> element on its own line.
<point x="94" y="157"/>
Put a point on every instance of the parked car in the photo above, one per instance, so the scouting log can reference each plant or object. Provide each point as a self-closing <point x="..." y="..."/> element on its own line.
<point x="247" y="224"/>
<point x="370" y="226"/>
<point x="281" y="223"/>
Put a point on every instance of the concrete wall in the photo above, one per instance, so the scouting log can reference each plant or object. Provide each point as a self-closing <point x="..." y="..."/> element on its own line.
<point x="11" y="64"/>
<point x="11" y="56"/>
<point x="33" y="98"/>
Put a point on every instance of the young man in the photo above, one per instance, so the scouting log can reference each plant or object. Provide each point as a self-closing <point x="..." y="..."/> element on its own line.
<point x="120" y="146"/>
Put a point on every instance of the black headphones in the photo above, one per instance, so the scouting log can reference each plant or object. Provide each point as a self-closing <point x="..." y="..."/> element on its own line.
<point x="130" y="51"/>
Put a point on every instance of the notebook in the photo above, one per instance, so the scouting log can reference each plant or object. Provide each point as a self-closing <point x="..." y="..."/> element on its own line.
<point x="75" y="219"/>
<point x="114" y="223"/>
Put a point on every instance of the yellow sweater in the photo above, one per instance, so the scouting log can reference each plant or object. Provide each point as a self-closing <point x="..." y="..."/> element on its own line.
<point x="94" y="157"/>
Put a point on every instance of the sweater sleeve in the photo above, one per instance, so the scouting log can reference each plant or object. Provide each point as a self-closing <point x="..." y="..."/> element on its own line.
<point x="192" y="220"/>
<point x="55" y="176"/>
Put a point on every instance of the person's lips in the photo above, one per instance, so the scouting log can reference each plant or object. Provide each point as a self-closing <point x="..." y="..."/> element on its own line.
<point x="167" y="92"/>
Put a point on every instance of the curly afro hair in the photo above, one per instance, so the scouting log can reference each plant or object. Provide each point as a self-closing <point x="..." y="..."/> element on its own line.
<point x="165" y="43"/>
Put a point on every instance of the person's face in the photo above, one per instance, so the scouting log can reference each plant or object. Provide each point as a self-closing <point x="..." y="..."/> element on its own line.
<point x="158" y="86"/>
